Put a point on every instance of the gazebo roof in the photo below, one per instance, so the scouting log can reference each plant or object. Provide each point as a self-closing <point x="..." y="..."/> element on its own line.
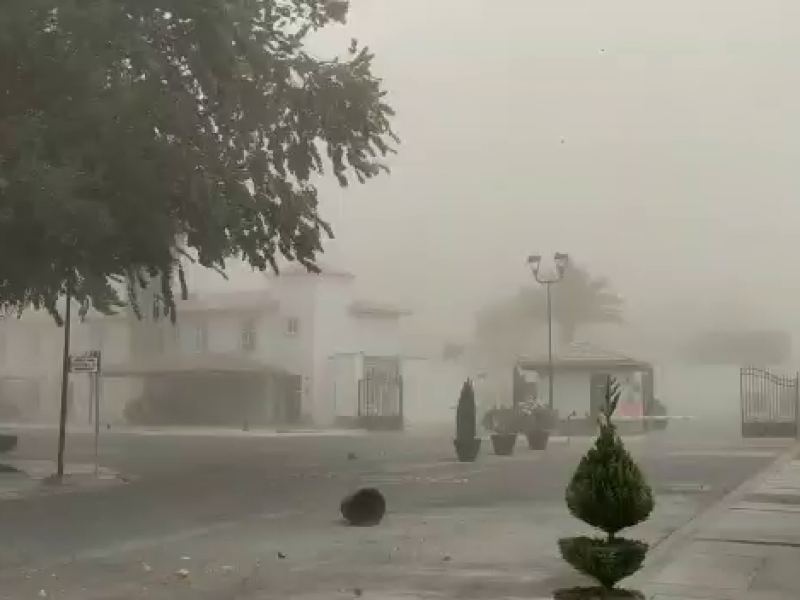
<point x="584" y="356"/>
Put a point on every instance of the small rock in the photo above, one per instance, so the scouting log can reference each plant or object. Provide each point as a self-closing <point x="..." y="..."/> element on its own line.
<point x="447" y="558"/>
<point x="358" y="592"/>
<point x="281" y="555"/>
<point x="182" y="573"/>
<point x="351" y="456"/>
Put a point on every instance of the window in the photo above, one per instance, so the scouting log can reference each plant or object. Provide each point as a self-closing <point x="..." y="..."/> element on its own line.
<point x="292" y="326"/>
<point x="249" y="340"/>
<point x="201" y="338"/>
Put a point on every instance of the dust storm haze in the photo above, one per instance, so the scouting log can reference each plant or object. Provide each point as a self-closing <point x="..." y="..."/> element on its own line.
<point x="655" y="143"/>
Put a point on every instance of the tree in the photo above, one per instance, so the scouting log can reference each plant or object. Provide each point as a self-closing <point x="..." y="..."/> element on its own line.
<point x="579" y="299"/>
<point x="135" y="134"/>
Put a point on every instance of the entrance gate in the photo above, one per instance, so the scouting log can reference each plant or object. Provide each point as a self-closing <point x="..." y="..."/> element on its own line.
<point x="769" y="403"/>
<point x="380" y="402"/>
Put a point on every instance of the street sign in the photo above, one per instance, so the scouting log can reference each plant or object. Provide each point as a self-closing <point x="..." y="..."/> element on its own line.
<point x="88" y="362"/>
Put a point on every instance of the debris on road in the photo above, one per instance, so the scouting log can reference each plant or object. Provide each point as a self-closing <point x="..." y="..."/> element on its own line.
<point x="364" y="508"/>
<point x="281" y="555"/>
<point x="182" y="573"/>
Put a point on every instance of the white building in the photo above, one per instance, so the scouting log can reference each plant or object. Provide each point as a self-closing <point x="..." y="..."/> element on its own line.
<point x="304" y="349"/>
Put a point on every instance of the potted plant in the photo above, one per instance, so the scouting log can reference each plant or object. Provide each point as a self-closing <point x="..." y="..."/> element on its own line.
<point x="608" y="491"/>
<point x="537" y="423"/>
<point x="466" y="443"/>
<point x="503" y="423"/>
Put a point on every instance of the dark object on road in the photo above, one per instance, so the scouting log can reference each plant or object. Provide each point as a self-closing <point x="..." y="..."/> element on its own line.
<point x="281" y="555"/>
<point x="364" y="508"/>
<point x="608" y="491"/>
<point x="351" y="456"/>
<point x="466" y="443"/>
<point x="7" y="442"/>
<point x="503" y="443"/>
<point x="537" y="439"/>
<point x="597" y="593"/>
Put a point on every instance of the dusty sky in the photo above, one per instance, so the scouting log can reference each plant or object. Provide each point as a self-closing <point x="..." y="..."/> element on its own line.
<point x="653" y="141"/>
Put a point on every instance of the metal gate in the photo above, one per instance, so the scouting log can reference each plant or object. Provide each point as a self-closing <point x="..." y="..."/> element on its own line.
<point x="769" y="403"/>
<point x="380" y="402"/>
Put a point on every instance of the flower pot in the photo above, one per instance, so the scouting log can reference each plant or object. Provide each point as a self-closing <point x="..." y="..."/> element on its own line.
<point x="467" y="450"/>
<point x="503" y="443"/>
<point x="537" y="439"/>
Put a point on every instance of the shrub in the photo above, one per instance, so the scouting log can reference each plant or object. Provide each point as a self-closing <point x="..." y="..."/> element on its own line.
<point x="501" y="420"/>
<point x="535" y="416"/>
<point x="465" y="413"/>
<point x="608" y="491"/>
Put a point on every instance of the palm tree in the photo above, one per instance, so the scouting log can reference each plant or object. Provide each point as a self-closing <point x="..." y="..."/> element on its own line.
<point x="579" y="299"/>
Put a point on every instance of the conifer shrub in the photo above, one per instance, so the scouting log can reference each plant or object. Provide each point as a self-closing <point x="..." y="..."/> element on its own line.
<point x="607" y="491"/>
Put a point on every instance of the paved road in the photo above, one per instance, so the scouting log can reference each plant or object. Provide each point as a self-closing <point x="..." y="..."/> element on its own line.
<point x="232" y="505"/>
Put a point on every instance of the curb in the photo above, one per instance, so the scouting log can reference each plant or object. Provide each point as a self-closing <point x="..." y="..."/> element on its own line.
<point x="665" y="550"/>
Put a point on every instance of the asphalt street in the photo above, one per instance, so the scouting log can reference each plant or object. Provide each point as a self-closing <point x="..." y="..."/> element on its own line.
<point x="257" y="517"/>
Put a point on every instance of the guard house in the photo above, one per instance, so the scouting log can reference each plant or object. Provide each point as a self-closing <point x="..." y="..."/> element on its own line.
<point x="581" y="372"/>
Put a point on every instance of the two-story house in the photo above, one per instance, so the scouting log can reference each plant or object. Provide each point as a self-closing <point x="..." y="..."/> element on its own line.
<point x="302" y="349"/>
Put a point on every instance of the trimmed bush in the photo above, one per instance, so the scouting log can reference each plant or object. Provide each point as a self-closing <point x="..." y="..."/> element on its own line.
<point x="467" y="444"/>
<point x="465" y="413"/>
<point x="608" y="491"/>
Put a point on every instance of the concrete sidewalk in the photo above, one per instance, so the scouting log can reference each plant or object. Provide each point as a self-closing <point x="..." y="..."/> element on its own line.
<point x="748" y="548"/>
<point x="181" y="431"/>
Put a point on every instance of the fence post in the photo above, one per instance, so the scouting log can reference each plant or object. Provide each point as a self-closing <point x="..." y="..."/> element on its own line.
<point x="797" y="406"/>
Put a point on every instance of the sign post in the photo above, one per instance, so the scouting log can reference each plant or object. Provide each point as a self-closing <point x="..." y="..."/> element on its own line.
<point x="89" y="363"/>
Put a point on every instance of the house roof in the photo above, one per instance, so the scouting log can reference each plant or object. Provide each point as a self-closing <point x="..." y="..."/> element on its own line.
<point x="582" y="355"/>
<point x="236" y="302"/>
<point x="298" y="270"/>
<point x="206" y="362"/>
<point x="231" y="301"/>
<point x="362" y="308"/>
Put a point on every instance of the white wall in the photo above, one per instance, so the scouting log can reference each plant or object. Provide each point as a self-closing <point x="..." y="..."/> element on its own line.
<point x="430" y="391"/>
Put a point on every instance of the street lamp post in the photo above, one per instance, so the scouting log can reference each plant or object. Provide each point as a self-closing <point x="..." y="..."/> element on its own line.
<point x="534" y="262"/>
